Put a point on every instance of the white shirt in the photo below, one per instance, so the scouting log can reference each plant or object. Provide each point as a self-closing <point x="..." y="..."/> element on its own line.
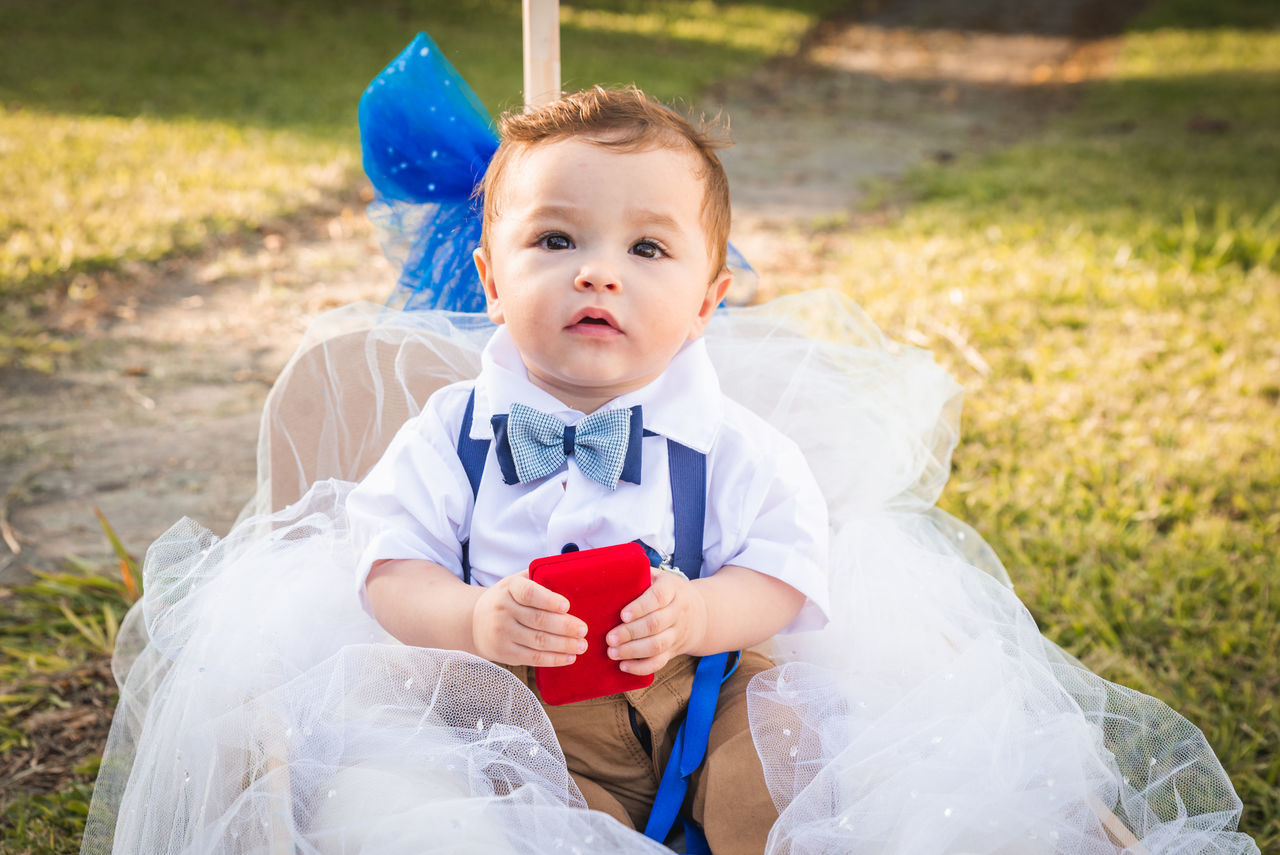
<point x="764" y="509"/>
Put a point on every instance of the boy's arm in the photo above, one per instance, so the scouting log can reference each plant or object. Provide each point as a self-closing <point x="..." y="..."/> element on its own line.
<point x="732" y="609"/>
<point x="764" y="510"/>
<point x="514" y="622"/>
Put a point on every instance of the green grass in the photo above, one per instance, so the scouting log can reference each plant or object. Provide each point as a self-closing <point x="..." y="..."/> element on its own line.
<point x="133" y="131"/>
<point x="1109" y="294"/>
<point x="54" y="638"/>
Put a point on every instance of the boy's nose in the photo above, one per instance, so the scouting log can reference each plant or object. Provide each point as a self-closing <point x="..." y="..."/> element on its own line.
<point x="596" y="277"/>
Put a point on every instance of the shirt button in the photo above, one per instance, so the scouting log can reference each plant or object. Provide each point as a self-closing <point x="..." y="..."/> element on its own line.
<point x="569" y="547"/>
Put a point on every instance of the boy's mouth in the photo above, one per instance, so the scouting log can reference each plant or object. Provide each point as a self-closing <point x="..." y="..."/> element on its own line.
<point x="594" y="321"/>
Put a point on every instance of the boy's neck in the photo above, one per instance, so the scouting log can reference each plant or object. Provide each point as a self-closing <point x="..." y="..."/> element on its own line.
<point x="587" y="400"/>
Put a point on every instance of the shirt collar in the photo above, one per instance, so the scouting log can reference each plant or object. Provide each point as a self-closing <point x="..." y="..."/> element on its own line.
<point x="683" y="403"/>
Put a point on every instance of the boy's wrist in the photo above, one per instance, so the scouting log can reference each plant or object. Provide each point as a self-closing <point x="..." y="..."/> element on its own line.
<point x="742" y="608"/>
<point x="699" y="644"/>
<point x="474" y="628"/>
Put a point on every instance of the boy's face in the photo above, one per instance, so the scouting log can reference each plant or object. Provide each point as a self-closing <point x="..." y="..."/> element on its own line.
<point x="599" y="267"/>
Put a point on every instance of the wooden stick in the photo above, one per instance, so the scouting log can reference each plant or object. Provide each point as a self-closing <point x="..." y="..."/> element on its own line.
<point x="541" y="52"/>
<point x="1117" y="832"/>
<point x="275" y="748"/>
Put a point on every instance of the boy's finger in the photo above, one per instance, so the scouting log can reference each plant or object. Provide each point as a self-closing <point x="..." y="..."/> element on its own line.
<point x="541" y="658"/>
<point x="646" y="627"/>
<point x="656" y="596"/>
<point x="644" y="648"/>
<point x="529" y="593"/>
<point x="644" y="666"/>
<point x="552" y="623"/>
<point x="548" y="642"/>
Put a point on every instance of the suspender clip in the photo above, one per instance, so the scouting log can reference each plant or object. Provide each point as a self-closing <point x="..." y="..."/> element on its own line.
<point x="667" y="567"/>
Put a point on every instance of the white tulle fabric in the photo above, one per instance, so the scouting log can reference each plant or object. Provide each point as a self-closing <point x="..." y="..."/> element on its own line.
<point x="262" y="711"/>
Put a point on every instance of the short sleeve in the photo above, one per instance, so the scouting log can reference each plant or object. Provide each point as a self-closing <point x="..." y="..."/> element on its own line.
<point x="767" y="514"/>
<point x="416" y="501"/>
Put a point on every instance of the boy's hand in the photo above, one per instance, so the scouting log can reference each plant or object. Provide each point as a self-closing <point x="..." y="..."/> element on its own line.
<point x="668" y="619"/>
<point x="519" y="622"/>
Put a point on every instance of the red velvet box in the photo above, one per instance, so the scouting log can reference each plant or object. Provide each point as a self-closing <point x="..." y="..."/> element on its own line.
<point x="598" y="584"/>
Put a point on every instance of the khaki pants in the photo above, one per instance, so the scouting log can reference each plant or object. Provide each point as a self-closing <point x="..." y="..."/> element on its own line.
<point x="619" y="774"/>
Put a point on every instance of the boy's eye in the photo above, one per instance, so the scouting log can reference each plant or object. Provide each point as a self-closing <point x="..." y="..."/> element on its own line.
<point x="648" y="249"/>
<point x="555" y="241"/>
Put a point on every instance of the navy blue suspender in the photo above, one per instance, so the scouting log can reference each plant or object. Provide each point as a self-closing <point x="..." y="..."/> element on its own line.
<point x="473" y="453"/>
<point x="688" y="471"/>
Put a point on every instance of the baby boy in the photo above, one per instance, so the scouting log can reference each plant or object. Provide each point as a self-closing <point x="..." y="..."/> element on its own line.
<point x="606" y="220"/>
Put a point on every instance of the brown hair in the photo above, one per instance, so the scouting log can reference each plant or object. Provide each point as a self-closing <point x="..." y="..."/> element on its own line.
<point x="625" y="120"/>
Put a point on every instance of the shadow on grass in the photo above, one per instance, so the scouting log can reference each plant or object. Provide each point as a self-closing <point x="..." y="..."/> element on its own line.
<point x="1086" y="19"/>
<point x="276" y="64"/>
<point x="1182" y="168"/>
<point x="1201" y="15"/>
<point x="270" y="65"/>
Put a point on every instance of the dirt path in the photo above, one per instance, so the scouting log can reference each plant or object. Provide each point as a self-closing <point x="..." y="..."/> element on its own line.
<point x="156" y="417"/>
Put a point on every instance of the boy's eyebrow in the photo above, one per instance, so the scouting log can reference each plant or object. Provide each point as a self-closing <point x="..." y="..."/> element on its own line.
<point x="561" y="211"/>
<point x="642" y="216"/>
<point x="655" y="218"/>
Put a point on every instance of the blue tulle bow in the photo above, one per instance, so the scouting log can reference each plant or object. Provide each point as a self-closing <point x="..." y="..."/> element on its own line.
<point x="427" y="141"/>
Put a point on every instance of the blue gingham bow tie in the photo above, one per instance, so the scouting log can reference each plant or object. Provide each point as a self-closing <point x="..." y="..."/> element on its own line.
<point x="531" y="444"/>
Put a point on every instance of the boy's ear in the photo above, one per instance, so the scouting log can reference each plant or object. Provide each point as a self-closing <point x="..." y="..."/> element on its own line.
<point x="715" y="294"/>
<point x="493" y="305"/>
